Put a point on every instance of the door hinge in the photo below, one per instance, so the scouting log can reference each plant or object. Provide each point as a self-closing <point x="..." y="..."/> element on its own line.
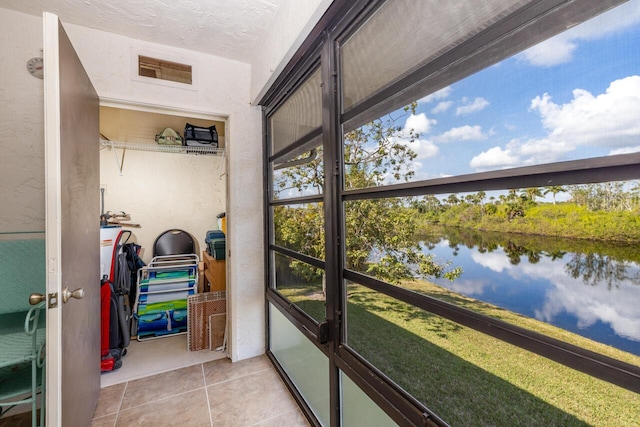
<point x="52" y="300"/>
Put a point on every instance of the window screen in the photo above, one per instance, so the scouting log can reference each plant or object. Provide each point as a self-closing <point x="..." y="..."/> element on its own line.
<point x="298" y="116"/>
<point x="403" y="35"/>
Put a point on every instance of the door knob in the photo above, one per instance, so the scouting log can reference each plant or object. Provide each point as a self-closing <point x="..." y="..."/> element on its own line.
<point x="76" y="293"/>
<point x="35" y="299"/>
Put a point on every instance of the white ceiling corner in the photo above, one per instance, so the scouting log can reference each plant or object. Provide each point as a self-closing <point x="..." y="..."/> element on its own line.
<point x="233" y="29"/>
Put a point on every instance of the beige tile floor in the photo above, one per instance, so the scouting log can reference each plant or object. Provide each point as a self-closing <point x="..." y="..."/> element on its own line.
<point x="216" y="393"/>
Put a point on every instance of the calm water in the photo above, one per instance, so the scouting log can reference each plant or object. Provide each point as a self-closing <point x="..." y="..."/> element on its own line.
<point x="590" y="289"/>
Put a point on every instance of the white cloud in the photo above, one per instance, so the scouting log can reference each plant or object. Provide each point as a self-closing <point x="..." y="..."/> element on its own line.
<point x="494" y="158"/>
<point x="442" y="107"/>
<point x="609" y="119"/>
<point x="468" y="106"/>
<point x="625" y="150"/>
<point x="560" y="49"/>
<point x="606" y="120"/>
<point x="436" y="96"/>
<point x="462" y="133"/>
<point x="424" y="148"/>
<point x="419" y="123"/>
<point x="540" y="150"/>
<point x="557" y="50"/>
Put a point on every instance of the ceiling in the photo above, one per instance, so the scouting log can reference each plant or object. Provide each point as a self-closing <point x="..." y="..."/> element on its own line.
<point x="231" y="29"/>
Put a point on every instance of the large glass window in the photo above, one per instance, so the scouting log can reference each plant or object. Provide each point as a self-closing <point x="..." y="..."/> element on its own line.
<point x="299" y="175"/>
<point x="571" y="97"/>
<point x="296" y="253"/>
<point x="302" y="284"/>
<point x="300" y="228"/>
<point x="556" y="259"/>
<point x="465" y="210"/>
<point x="468" y="378"/>
<point x="561" y="256"/>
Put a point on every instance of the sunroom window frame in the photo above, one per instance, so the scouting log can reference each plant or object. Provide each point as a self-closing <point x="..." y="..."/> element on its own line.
<point x="508" y="36"/>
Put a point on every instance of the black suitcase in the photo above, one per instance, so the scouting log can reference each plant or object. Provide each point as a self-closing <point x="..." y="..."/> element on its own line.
<point x="198" y="136"/>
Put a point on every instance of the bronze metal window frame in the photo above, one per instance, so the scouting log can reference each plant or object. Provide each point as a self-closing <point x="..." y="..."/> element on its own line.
<point x="538" y="20"/>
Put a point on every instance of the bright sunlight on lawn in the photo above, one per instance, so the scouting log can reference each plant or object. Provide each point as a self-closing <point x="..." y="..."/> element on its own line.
<point x="469" y="378"/>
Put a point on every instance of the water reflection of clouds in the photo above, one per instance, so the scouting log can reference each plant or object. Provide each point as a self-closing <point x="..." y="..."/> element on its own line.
<point x="494" y="261"/>
<point x="469" y="287"/>
<point x="589" y="304"/>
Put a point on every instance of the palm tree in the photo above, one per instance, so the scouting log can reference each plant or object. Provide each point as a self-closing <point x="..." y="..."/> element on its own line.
<point x="554" y="189"/>
<point x="531" y="193"/>
<point x="452" y="199"/>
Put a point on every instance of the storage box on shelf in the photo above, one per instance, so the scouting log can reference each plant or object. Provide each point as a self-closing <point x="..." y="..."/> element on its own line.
<point x="216" y="243"/>
<point x="215" y="273"/>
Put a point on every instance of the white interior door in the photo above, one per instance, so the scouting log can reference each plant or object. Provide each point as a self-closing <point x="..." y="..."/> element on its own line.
<point x="72" y="232"/>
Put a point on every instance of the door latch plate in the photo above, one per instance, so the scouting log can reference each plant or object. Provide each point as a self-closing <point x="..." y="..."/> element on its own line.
<point x="53" y="300"/>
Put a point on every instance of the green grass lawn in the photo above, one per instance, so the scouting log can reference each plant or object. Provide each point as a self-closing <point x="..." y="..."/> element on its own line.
<point x="469" y="378"/>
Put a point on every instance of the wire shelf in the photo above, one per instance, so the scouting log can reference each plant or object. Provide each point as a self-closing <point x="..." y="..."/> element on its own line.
<point x="157" y="148"/>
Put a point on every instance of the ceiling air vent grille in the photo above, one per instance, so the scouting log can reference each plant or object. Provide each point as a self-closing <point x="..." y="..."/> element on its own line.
<point x="164" y="70"/>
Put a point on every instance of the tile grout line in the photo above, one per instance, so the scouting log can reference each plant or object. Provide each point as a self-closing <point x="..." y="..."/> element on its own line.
<point x="238" y="377"/>
<point x="274" y="417"/>
<point x="161" y="399"/>
<point x="206" y="393"/>
<point x="115" y="412"/>
<point x="124" y="392"/>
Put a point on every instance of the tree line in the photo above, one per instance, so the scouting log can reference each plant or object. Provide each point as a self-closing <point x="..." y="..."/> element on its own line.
<point x="607" y="196"/>
<point x="380" y="234"/>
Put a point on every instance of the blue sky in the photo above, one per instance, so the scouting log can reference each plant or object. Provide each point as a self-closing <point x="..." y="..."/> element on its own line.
<point x="574" y="96"/>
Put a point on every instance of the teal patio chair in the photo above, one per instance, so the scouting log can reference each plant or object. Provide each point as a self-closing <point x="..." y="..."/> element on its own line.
<point x="22" y="325"/>
<point x="22" y="359"/>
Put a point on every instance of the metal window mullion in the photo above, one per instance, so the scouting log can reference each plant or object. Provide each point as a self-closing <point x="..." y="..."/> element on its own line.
<point x="297" y="200"/>
<point x="298" y="255"/>
<point x="298" y="317"/>
<point x="598" y="169"/>
<point x="268" y="226"/>
<point x="332" y="143"/>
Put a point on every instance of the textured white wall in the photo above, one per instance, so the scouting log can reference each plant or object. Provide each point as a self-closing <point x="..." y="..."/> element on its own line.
<point x="294" y="21"/>
<point x="162" y="191"/>
<point x="21" y="125"/>
<point x="223" y="89"/>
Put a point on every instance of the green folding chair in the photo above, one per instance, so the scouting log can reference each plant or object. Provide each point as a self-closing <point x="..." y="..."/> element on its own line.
<point x="22" y="361"/>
